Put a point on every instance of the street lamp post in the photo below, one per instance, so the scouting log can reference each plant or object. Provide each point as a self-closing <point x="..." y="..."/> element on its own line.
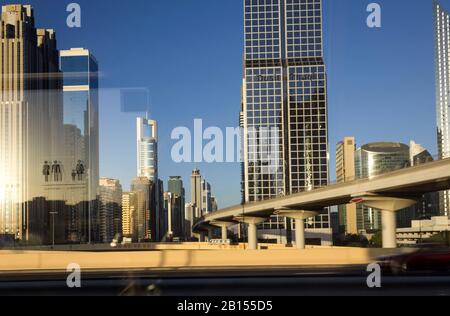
<point x="53" y="228"/>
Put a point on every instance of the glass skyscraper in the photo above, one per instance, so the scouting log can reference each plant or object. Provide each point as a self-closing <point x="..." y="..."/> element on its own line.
<point x="147" y="149"/>
<point x="442" y="69"/>
<point x="284" y="103"/>
<point x="80" y="159"/>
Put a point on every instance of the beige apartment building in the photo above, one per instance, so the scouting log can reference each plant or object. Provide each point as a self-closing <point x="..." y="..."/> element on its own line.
<point x="30" y="117"/>
<point x="345" y="171"/>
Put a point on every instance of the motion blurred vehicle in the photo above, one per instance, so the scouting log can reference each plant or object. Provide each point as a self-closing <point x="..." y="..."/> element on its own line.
<point x="429" y="259"/>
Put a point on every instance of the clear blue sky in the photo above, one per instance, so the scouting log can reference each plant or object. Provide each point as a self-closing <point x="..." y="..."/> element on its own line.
<point x="188" y="53"/>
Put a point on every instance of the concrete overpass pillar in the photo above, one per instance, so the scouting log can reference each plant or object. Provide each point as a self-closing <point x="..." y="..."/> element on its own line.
<point x="299" y="217"/>
<point x="388" y="206"/>
<point x="224" y="228"/>
<point x="389" y="229"/>
<point x="224" y="233"/>
<point x="252" y="237"/>
<point x="252" y="223"/>
<point x="300" y="233"/>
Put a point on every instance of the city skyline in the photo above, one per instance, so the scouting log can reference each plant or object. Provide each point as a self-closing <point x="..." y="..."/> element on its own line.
<point x="160" y="148"/>
<point x="348" y="19"/>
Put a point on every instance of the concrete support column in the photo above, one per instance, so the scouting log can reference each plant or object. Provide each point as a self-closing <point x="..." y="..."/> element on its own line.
<point x="224" y="228"/>
<point x="388" y="207"/>
<point x="300" y="233"/>
<point x="252" y="237"/>
<point x="299" y="216"/>
<point x="224" y="232"/>
<point x="389" y="224"/>
<point x="252" y="233"/>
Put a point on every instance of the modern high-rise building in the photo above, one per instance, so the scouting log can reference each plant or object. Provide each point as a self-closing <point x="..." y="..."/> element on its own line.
<point x="160" y="218"/>
<point x="80" y="158"/>
<point x="175" y="217"/>
<point x="284" y="105"/>
<point x="175" y="187"/>
<point x="373" y="160"/>
<point x="147" y="149"/>
<point x="190" y="219"/>
<point x="128" y="213"/>
<point x="345" y="171"/>
<point x="206" y="197"/>
<point x="196" y="193"/>
<point x="442" y="74"/>
<point x="147" y="165"/>
<point x="214" y="204"/>
<point x="145" y="220"/>
<point x="109" y="220"/>
<point x="30" y="121"/>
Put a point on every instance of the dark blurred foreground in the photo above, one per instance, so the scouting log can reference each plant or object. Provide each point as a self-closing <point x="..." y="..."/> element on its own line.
<point x="269" y="281"/>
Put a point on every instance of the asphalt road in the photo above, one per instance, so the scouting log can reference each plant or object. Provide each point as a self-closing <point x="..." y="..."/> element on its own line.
<point x="269" y="281"/>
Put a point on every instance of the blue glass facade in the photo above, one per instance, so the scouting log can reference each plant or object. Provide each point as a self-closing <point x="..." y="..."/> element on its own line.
<point x="81" y="142"/>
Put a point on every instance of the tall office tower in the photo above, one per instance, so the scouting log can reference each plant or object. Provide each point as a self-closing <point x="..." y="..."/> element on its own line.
<point x="345" y="171"/>
<point x="196" y="193"/>
<point x="109" y="219"/>
<point x="175" y="217"/>
<point x="189" y="219"/>
<point x="373" y="160"/>
<point x="145" y="220"/>
<point x="175" y="186"/>
<point x="30" y="117"/>
<point x="242" y="149"/>
<point x="147" y="164"/>
<point x="214" y="204"/>
<point x="128" y="213"/>
<point x="284" y="104"/>
<point x="147" y="149"/>
<point x="206" y="197"/>
<point x="80" y="159"/>
<point x="160" y="218"/>
<point x="442" y="69"/>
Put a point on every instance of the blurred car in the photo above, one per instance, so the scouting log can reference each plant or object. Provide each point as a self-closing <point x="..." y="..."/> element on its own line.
<point x="429" y="259"/>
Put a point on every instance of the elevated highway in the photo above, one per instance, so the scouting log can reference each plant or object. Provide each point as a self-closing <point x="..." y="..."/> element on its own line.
<point x="389" y="193"/>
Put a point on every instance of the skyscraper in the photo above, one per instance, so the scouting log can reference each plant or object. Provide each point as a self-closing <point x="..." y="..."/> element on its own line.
<point x="190" y="219"/>
<point x="175" y="187"/>
<point x="30" y="117"/>
<point x="345" y="171"/>
<point x="442" y="73"/>
<point x="145" y="224"/>
<point x="196" y="193"/>
<point x="175" y="217"/>
<point x="214" y="204"/>
<point x="147" y="165"/>
<point x="147" y="149"/>
<point x="109" y="219"/>
<point x="80" y="157"/>
<point x="285" y="93"/>
<point x="206" y="197"/>
<point x="128" y="213"/>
